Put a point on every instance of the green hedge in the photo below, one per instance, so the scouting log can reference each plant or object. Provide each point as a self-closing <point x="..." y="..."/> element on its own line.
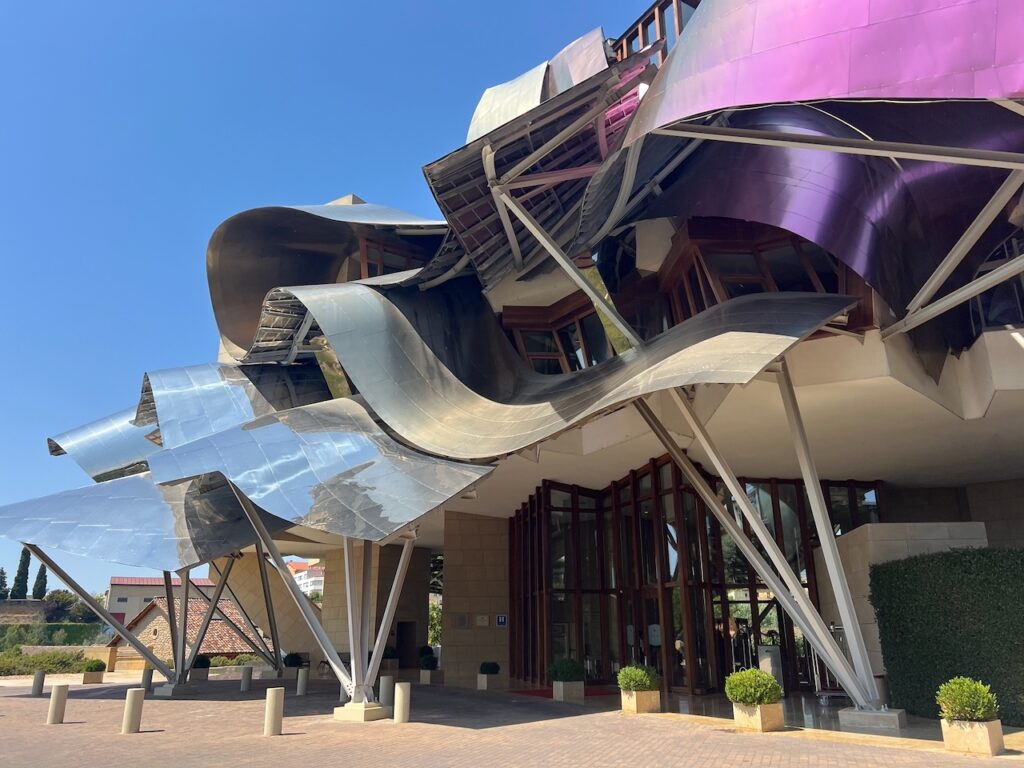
<point x="12" y="635"/>
<point x="14" y="662"/>
<point x="949" y="614"/>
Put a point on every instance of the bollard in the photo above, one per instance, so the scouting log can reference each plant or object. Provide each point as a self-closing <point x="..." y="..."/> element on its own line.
<point x="387" y="691"/>
<point x="403" y="692"/>
<point x="132" y="720"/>
<point x="147" y="679"/>
<point x="274" y="712"/>
<point x="58" y="702"/>
<point x="302" y="681"/>
<point x="246" y="679"/>
<point x="37" y="683"/>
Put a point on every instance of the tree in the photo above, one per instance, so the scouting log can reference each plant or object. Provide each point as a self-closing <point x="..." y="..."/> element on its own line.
<point x="434" y="623"/>
<point x="4" y="591"/>
<point x="82" y="614"/>
<point x="39" y="585"/>
<point x="59" y="605"/>
<point x="20" y="589"/>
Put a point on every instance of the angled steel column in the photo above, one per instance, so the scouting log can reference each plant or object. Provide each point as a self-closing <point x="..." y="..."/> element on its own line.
<point x="208" y="616"/>
<point x="303" y="604"/>
<point x="796" y="603"/>
<point x="364" y="606"/>
<point x="179" y="661"/>
<point x="100" y="611"/>
<point x="269" y="603"/>
<point x="823" y="524"/>
<point x="355" y="634"/>
<point x="265" y="652"/>
<point x="172" y="621"/>
<point x="389" y="610"/>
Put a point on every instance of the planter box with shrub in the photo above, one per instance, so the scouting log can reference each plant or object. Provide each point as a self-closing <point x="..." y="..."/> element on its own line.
<point x="756" y="700"/>
<point x="429" y="673"/>
<point x="292" y="662"/>
<point x="92" y="671"/>
<point x="567" y="677"/>
<point x="970" y="717"/>
<point x="488" y="669"/>
<point x="200" y="671"/>
<point x="389" y="664"/>
<point x="641" y="690"/>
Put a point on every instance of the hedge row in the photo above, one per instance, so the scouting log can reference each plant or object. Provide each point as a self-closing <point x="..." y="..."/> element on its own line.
<point x="14" y="662"/>
<point x="12" y="635"/>
<point x="948" y="614"/>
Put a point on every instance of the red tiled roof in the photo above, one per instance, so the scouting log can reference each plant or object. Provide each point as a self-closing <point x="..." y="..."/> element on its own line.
<point x="220" y="637"/>
<point x="152" y="581"/>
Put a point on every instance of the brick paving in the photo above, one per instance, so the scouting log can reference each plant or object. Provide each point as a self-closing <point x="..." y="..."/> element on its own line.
<point x="221" y="727"/>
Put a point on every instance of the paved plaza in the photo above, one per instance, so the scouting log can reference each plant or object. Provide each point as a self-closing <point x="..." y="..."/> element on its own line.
<point x="222" y="727"/>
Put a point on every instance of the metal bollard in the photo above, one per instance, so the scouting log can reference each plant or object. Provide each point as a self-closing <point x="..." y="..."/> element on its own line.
<point x="387" y="691"/>
<point x="403" y="692"/>
<point x="132" y="720"/>
<point x="246" y="679"/>
<point x="37" y="683"/>
<point x="302" y="681"/>
<point x="274" y="713"/>
<point x="58" y="702"/>
<point x="147" y="679"/>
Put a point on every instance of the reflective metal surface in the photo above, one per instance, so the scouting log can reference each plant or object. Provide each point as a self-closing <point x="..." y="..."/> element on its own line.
<point x="189" y="403"/>
<point x="106" y="448"/>
<point x="326" y="466"/>
<point x="430" y="407"/>
<point x="134" y="522"/>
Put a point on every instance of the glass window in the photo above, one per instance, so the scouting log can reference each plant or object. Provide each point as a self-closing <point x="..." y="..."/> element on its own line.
<point x="570" y="338"/>
<point x="735" y="562"/>
<point x="736" y="288"/>
<point x="590" y="565"/>
<point x="648" y="562"/>
<point x="643" y="484"/>
<point x="732" y="263"/>
<point x="824" y="266"/>
<point x="539" y="343"/>
<point x="593" y="648"/>
<point x="614" y="649"/>
<point x="678" y="648"/>
<point x="672" y="542"/>
<point x="563" y="626"/>
<point x="561" y="551"/>
<point x="596" y="341"/>
<point x="626" y="538"/>
<point x="787" y="269"/>
<point x="611" y="563"/>
<point x="839" y="509"/>
<point x="547" y="366"/>
<point x="792" y="541"/>
<point x="867" y="504"/>
<point x="585" y="501"/>
<point x="665" y="477"/>
<point x="560" y="498"/>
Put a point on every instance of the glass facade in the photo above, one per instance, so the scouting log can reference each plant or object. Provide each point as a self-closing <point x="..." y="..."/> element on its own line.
<point x="641" y="572"/>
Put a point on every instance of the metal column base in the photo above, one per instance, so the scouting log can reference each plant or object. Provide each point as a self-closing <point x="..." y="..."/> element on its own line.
<point x="362" y="712"/>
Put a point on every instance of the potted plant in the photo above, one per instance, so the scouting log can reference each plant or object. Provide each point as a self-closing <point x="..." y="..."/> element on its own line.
<point x="970" y="717"/>
<point x="200" y="669"/>
<point x="487" y="670"/>
<point x="389" y="664"/>
<point x="92" y="671"/>
<point x="640" y="687"/>
<point x="429" y="673"/>
<point x="292" y="662"/>
<point x="756" y="700"/>
<point x="567" y="680"/>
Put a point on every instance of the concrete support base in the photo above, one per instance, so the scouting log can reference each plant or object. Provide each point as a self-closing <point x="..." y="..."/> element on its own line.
<point x="363" y="712"/>
<point x="876" y="720"/>
<point x="170" y="690"/>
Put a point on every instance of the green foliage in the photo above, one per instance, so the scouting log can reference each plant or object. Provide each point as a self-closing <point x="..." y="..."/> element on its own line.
<point x="19" y="590"/>
<point x="12" y="635"/>
<point x="965" y="699"/>
<point x="566" y="671"/>
<point x="14" y="662"/>
<point x="434" y="623"/>
<point x="489" y="668"/>
<point x="202" y="662"/>
<point x="316" y="597"/>
<point x="59" y="603"/>
<point x="292" y="660"/>
<point x="428" y="662"/>
<point x="82" y="614"/>
<point x="245" y="659"/>
<point x="39" y="585"/>
<point x="221" y="661"/>
<point x="949" y="614"/>
<point x="637" y="677"/>
<point x="426" y="650"/>
<point x="94" y="665"/>
<point x="752" y="687"/>
<point x="4" y="591"/>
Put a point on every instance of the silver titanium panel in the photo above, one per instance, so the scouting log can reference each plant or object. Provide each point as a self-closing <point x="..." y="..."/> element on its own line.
<point x="327" y="466"/>
<point x="134" y="522"/>
<point x="106" y="448"/>
<point x="429" y="407"/>
<point x="199" y="400"/>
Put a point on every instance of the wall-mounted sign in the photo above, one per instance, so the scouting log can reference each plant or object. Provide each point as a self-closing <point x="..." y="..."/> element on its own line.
<point x="501" y="620"/>
<point x="483" y="620"/>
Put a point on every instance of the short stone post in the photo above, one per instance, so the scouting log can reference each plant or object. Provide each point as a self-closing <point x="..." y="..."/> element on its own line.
<point x="132" y="720"/>
<point x="274" y="713"/>
<point x="58" y="703"/>
<point x="403" y="692"/>
<point x="246" y="679"/>
<point x="38" y="678"/>
<point x="302" y="681"/>
<point x="387" y="691"/>
<point x="147" y="679"/>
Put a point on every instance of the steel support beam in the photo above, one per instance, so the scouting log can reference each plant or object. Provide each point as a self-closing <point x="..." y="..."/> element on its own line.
<point x="545" y="178"/>
<point x="268" y="603"/>
<point x="968" y="240"/>
<point x="795" y="602"/>
<point x="172" y="621"/>
<point x="487" y="155"/>
<point x="303" y="604"/>
<point x="210" y="611"/>
<point x="364" y="607"/>
<point x="300" y="334"/>
<point x="355" y="634"/>
<point x="826" y="536"/>
<point x="389" y="609"/>
<point x="266" y="653"/>
<point x="181" y="671"/>
<point x="100" y="611"/>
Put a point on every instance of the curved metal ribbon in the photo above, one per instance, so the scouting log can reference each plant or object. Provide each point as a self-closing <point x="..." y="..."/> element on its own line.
<point x="106" y="448"/>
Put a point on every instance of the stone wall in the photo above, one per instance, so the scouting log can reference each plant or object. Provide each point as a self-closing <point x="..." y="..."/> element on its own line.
<point x="922" y="505"/>
<point x="1001" y="507"/>
<point x="22" y="612"/>
<point x="475" y="593"/>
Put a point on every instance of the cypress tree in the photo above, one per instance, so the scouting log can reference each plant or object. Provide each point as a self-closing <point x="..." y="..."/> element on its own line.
<point x="4" y="591"/>
<point x="19" y="590"/>
<point x="39" y="585"/>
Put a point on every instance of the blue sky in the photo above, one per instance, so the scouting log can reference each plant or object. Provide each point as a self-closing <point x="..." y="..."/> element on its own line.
<point x="130" y="130"/>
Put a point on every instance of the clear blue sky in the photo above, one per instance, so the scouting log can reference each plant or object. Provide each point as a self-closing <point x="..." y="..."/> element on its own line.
<point x="130" y="130"/>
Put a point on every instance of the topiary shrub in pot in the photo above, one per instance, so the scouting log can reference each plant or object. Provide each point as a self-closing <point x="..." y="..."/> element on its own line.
<point x="92" y="671"/>
<point x="200" y="669"/>
<point x="488" y="669"/>
<point x="970" y="717"/>
<point x="567" y="677"/>
<point x="429" y="673"/>
<point x="389" y="662"/>
<point x="640" y="688"/>
<point x="756" y="700"/>
<point x="292" y="662"/>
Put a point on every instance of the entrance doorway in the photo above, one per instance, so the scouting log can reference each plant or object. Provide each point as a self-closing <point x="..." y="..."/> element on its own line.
<point x="405" y="644"/>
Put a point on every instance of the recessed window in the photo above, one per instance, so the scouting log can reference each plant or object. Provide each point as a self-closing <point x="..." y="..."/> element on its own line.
<point x="122" y="600"/>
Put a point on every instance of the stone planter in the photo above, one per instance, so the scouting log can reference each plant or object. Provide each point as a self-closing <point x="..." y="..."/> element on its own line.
<point x="431" y="677"/>
<point x="91" y="678"/>
<point x="571" y="692"/>
<point x="484" y="682"/>
<point x="641" y="702"/>
<point x="198" y="675"/>
<point x="984" y="738"/>
<point x="761" y="717"/>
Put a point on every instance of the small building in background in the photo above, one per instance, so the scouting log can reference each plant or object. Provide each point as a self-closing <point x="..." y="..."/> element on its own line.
<point x="128" y="595"/>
